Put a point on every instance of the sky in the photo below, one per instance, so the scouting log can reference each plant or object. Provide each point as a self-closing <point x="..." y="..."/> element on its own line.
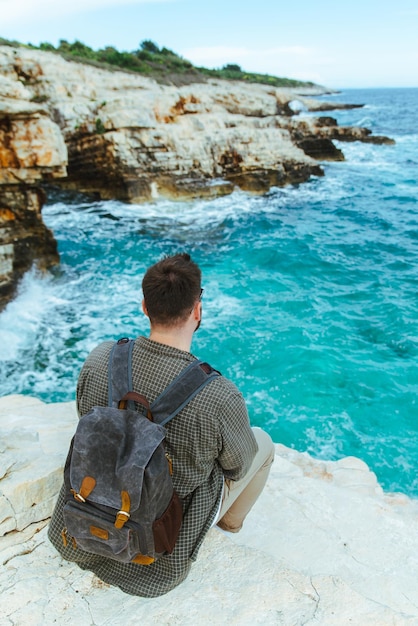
<point x="341" y="45"/>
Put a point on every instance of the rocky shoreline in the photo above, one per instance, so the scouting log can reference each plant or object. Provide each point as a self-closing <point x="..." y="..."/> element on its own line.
<point x="122" y="136"/>
<point x="323" y="545"/>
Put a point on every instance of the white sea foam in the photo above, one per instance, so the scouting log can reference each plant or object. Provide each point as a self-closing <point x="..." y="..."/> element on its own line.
<point x="20" y="319"/>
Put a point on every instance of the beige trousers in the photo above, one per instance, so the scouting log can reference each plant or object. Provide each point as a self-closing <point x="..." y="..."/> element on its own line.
<point x="239" y="496"/>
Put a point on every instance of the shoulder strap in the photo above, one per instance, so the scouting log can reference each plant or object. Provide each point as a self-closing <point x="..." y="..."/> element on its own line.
<point x="120" y="371"/>
<point x="182" y="390"/>
<point x="175" y="396"/>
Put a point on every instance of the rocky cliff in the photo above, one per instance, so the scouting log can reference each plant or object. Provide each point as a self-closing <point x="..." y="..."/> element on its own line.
<point x="32" y="149"/>
<point x="324" y="545"/>
<point x="120" y="135"/>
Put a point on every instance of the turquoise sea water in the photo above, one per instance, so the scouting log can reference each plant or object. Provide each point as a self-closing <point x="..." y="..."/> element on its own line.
<point x="310" y="300"/>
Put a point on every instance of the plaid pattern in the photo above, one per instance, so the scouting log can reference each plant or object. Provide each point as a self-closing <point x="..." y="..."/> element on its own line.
<point x="209" y="439"/>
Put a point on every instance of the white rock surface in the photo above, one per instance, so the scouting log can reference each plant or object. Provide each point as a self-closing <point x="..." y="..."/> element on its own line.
<point x="324" y="545"/>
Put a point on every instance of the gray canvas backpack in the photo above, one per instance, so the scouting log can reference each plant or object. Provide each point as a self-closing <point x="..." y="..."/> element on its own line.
<point x="120" y="501"/>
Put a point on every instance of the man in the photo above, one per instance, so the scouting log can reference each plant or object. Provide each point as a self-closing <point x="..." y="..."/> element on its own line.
<point x="220" y="463"/>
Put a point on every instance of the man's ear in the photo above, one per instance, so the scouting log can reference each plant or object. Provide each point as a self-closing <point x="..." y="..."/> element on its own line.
<point x="198" y="311"/>
<point x="144" y="308"/>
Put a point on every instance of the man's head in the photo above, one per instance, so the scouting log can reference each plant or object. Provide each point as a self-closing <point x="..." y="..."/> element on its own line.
<point x="171" y="289"/>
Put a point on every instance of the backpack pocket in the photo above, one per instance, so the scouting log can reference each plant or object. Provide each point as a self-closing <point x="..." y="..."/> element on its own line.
<point x="167" y="527"/>
<point x="95" y="532"/>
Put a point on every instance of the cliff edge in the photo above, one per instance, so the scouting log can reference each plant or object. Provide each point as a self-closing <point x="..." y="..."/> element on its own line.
<point x="324" y="545"/>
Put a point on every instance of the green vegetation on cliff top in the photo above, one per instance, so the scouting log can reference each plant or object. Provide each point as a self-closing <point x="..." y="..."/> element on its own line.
<point x="162" y="64"/>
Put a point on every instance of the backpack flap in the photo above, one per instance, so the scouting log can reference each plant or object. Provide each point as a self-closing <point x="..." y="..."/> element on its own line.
<point x="113" y="447"/>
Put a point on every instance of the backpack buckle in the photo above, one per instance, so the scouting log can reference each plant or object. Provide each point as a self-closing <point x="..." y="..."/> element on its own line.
<point x="123" y="515"/>
<point x="121" y="518"/>
<point x="87" y="486"/>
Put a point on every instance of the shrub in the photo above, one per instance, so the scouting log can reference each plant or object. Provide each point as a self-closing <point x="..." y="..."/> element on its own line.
<point x="100" y="129"/>
<point x="232" y="67"/>
<point x="44" y="45"/>
<point x="149" y="46"/>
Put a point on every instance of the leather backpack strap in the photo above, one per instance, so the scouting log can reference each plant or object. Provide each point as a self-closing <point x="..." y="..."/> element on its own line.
<point x="182" y="390"/>
<point x="133" y="396"/>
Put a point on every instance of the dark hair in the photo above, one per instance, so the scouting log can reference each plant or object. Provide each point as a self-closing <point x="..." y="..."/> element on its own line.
<point x="171" y="288"/>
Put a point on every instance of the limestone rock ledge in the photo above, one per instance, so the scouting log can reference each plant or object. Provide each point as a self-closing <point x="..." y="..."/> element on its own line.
<point x="122" y="136"/>
<point x="324" y="545"/>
